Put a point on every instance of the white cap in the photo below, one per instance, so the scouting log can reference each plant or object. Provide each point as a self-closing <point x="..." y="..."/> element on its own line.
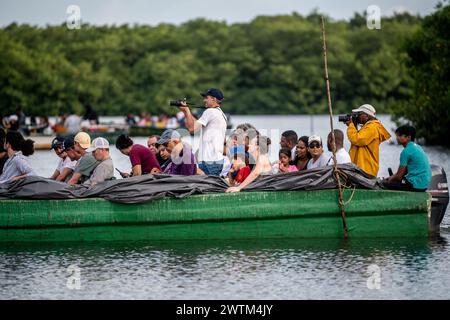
<point x="13" y="118"/>
<point x="314" y="138"/>
<point x="99" y="143"/>
<point x="367" y="109"/>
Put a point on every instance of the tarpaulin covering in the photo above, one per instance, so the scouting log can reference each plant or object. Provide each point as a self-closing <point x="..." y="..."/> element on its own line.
<point x="150" y="187"/>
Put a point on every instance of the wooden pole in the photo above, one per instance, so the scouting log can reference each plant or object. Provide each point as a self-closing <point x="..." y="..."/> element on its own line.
<point x="333" y="140"/>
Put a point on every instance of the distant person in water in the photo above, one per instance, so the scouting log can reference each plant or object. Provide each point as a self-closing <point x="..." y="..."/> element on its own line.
<point x="414" y="172"/>
<point x="72" y="124"/>
<point x="143" y="161"/>
<point x="17" y="166"/>
<point x="90" y="114"/>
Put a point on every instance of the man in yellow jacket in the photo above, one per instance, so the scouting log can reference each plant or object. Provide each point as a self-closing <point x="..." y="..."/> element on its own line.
<point x="365" y="143"/>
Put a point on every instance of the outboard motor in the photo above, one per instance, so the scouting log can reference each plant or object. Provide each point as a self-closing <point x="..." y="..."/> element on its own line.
<point x="438" y="189"/>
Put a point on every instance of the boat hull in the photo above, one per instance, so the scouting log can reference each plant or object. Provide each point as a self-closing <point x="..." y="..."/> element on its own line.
<point x="245" y="215"/>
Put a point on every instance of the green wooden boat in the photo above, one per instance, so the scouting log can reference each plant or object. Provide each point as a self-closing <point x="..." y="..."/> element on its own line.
<point x="245" y="215"/>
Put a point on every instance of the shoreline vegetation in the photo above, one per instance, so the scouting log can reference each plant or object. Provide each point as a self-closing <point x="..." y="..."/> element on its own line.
<point x="271" y="65"/>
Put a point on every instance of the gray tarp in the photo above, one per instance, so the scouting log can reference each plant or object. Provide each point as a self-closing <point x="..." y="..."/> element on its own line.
<point x="151" y="187"/>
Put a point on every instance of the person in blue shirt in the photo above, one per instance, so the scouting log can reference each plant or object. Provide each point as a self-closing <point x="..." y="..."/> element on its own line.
<point x="414" y="172"/>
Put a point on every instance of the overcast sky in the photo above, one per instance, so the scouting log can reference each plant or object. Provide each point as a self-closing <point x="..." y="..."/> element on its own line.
<point x="153" y="12"/>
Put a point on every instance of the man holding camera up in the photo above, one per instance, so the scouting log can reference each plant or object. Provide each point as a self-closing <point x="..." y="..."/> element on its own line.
<point x="365" y="142"/>
<point x="212" y="126"/>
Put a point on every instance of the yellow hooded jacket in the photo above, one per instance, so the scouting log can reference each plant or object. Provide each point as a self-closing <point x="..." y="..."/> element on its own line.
<point x="365" y="145"/>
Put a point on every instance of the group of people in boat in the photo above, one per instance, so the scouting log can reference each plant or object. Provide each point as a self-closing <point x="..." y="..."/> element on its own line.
<point x="240" y="158"/>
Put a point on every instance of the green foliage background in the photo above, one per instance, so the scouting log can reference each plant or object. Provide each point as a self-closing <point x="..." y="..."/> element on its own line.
<point x="272" y="65"/>
<point x="428" y="62"/>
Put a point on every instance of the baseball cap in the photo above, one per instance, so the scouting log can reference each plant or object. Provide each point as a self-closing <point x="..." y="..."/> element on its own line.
<point x="68" y="143"/>
<point x="83" y="139"/>
<point x="99" y="143"/>
<point x="57" y="142"/>
<point x="13" y="118"/>
<point x="213" y="92"/>
<point x="314" y="138"/>
<point x="367" y="109"/>
<point x="168" y="135"/>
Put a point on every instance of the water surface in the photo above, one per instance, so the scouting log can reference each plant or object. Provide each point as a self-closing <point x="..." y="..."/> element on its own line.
<point x="266" y="269"/>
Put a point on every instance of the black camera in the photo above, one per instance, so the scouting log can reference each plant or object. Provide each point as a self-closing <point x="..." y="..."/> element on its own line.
<point x="347" y="117"/>
<point x="176" y="103"/>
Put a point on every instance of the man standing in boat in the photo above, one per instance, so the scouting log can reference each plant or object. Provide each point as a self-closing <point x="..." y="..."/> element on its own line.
<point x="365" y="142"/>
<point x="212" y="126"/>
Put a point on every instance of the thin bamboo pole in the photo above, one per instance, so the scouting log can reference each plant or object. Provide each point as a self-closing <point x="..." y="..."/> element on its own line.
<point x="333" y="140"/>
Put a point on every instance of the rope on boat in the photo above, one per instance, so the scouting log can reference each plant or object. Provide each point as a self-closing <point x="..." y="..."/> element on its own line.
<point x="336" y="172"/>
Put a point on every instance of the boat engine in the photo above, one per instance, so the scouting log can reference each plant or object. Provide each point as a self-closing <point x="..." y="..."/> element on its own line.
<point x="438" y="189"/>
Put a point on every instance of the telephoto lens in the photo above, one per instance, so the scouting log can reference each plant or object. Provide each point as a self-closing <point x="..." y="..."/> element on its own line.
<point x="344" y="118"/>
<point x="175" y="103"/>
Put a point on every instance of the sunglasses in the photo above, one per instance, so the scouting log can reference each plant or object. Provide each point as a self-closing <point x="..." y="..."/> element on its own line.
<point x="314" y="145"/>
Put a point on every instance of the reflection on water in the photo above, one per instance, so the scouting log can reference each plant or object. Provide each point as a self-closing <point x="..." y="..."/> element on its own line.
<point x="269" y="269"/>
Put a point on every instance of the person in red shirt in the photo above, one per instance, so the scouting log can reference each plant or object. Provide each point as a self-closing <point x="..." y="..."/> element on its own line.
<point x="143" y="161"/>
<point x="239" y="169"/>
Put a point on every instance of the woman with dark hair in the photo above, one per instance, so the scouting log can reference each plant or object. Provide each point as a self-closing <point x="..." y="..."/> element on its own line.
<point x="17" y="166"/>
<point x="143" y="161"/>
<point x="259" y="149"/>
<point x="302" y="155"/>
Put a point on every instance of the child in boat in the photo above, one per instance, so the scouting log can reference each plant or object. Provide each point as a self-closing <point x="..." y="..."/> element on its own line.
<point x="302" y="155"/>
<point x="239" y="169"/>
<point x="284" y="162"/>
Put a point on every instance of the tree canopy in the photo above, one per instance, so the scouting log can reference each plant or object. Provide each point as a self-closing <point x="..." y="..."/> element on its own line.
<point x="271" y="65"/>
<point x="428" y="62"/>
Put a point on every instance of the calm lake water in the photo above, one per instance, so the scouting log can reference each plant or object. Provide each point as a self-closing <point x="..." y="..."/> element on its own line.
<point x="266" y="269"/>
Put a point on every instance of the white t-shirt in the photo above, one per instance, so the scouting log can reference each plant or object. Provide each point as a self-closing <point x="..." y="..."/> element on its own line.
<point x="293" y="153"/>
<point x="321" y="162"/>
<point x="72" y="124"/>
<point x="214" y="126"/>
<point x="226" y="166"/>
<point x="66" y="163"/>
<point x="342" y="157"/>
